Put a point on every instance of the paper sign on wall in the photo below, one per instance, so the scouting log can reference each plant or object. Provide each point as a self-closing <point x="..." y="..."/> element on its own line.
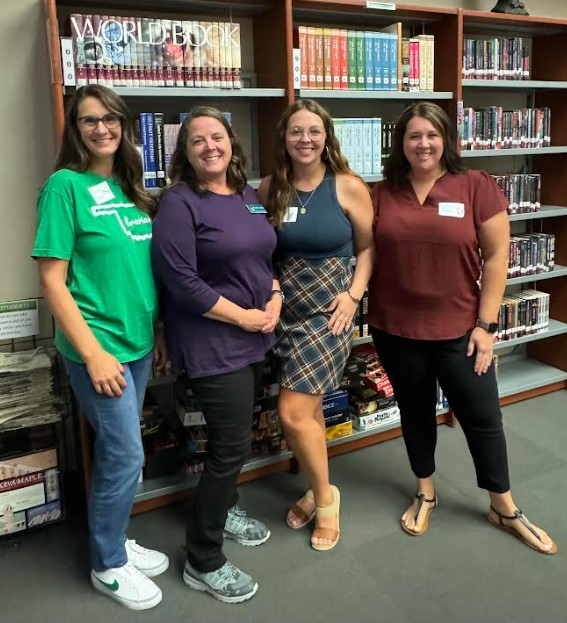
<point x="18" y="319"/>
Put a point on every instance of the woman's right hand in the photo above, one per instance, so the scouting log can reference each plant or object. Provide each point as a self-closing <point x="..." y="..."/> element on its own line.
<point x="106" y="374"/>
<point x="253" y="320"/>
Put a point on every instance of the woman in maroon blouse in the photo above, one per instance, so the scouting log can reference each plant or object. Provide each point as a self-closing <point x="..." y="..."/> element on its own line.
<point x="430" y="320"/>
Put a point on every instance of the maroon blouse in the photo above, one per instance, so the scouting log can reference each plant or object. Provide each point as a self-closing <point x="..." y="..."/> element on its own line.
<point x="425" y="281"/>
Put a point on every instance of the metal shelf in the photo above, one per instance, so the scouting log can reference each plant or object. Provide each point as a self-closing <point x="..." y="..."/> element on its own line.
<point x="383" y="95"/>
<point x="521" y="151"/>
<point x="558" y="271"/>
<point x="362" y="340"/>
<point x="523" y="374"/>
<point x="514" y="85"/>
<point x="555" y="328"/>
<point x="544" y="212"/>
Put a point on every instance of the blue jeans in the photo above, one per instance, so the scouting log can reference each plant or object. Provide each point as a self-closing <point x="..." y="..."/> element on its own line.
<point x="118" y="457"/>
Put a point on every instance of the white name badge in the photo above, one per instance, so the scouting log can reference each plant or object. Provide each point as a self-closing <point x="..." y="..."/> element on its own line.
<point x="291" y="215"/>
<point x="456" y="210"/>
<point x="101" y="193"/>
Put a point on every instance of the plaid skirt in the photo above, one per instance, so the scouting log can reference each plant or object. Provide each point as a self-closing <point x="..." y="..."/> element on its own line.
<point x="310" y="358"/>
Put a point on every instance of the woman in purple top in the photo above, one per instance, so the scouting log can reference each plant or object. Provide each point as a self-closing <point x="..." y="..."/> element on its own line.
<point x="212" y="250"/>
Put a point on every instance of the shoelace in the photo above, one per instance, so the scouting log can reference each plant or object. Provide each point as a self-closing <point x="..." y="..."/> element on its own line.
<point x="240" y="518"/>
<point x="224" y="575"/>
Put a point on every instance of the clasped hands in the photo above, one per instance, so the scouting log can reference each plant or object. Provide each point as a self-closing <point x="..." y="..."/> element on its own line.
<point x="263" y="321"/>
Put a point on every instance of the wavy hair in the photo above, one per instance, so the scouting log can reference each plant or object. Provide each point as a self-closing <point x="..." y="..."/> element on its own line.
<point x="181" y="170"/>
<point x="127" y="167"/>
<point x="281" y="191"/>
<point x="397" y="168"/>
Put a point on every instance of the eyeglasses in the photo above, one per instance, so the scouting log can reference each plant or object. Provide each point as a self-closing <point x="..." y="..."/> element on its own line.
<point x="111" y="120"/>
<point x="296" y="134"/>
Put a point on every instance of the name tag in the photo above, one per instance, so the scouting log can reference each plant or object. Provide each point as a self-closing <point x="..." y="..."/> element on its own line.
<point x="291" y="215"/>
<point x="456" y="210"/>
<point x="101" y="193"/>
<point x="256" y="208"/>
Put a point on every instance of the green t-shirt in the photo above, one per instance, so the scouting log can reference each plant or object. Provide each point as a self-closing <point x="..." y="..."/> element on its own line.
<point x="88" y="220"/>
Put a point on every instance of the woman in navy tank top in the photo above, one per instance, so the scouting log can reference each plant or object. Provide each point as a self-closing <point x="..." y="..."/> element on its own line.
<point x="323" y="216"/>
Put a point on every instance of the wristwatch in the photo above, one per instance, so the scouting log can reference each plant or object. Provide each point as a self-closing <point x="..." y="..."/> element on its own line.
<point x="491" y="327"/>
<point x="279" y="293"/>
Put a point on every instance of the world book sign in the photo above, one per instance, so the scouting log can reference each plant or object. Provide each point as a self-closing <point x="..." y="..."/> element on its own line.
<point x="18" y="319"/>
<point x="125" y="31"/>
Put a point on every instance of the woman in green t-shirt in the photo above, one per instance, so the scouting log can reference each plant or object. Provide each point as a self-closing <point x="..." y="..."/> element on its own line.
<point x="93" y="249"/>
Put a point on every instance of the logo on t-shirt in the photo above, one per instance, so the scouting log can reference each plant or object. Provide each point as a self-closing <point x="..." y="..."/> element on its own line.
<point x="132" y="227"/>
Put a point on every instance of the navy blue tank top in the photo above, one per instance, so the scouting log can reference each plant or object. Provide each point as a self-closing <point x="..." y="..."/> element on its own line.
<point x="323" y="231"/>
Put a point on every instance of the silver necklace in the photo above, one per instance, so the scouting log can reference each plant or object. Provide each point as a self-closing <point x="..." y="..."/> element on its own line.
<point x="303" y="209"/>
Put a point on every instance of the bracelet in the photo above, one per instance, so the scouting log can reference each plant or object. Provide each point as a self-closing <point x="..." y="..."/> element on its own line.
<point x="279" y="293"/>
<point x="353" y="298"/>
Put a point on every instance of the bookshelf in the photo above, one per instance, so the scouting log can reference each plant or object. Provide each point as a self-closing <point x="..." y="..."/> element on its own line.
<point x="270" y="27"/>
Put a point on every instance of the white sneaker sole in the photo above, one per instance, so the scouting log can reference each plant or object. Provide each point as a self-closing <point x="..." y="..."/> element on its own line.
<point x="153" y="571"/>
<point x="146" y="604"/>
<point x="246" y="542"/>
<point x="203" y="586"/>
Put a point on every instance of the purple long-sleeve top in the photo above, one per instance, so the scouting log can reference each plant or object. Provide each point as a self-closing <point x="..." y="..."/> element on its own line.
<point x="205" y="247"/>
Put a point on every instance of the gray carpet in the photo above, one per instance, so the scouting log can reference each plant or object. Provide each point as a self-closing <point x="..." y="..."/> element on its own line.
<point x="463" y="570"/>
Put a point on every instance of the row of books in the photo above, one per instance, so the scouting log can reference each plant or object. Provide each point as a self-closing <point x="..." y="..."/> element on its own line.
<point x="150" y="52"/>
<point x="522" y="191"/>
<point x="361" y="143"/>
<point x="496" y="128"/>
<point x="523" y="313"/>
<point x="531" y="254"/>
<point x="496" y="59"/>
<point x="337" y="58"/>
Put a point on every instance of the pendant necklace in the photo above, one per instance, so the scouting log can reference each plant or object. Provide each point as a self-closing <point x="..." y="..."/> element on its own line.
<point x="303" y="209"/>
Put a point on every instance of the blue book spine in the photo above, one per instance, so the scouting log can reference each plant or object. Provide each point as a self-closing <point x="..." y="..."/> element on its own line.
<point x="377" y="61"/>
<point x="369" y="60"/>
<point x="385" y="57"/>
<point x="393" y="61"/>
<point x="149" y="148"/>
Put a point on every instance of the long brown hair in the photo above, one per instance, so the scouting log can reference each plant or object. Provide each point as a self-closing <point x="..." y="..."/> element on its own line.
<point x="181" y="170"/>
<point x="397" y="168"/>
<point x="127" y="162"/>
<point x="280" y="191"/>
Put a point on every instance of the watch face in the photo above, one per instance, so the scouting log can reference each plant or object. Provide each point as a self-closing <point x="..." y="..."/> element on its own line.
<point x="493" y="327"/>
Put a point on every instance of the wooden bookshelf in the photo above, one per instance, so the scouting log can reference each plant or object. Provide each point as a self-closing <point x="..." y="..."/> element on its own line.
<point x="271" y="25"/>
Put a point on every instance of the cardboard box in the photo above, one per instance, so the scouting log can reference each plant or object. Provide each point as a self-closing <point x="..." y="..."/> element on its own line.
<point x="340" y="430"/>
<point x="340" y="417"/>
<point x="378" y="418"/>
<point x="30" y="492"/>
<point x="335" y="401"/>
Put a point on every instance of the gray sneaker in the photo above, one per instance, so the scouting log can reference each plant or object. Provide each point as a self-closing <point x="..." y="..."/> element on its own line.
<point x="244" y="529"/>
<point x="227" y="584"/>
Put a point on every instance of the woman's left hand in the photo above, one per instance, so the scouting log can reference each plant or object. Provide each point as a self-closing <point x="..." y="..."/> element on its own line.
<point x="160" y="349"/>
<point x="344" y="309"/>
<point x="274" y="307"/>
<point x="483" y="343"/>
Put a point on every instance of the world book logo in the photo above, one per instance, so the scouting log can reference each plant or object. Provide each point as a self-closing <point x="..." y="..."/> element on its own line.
<point x="125" y="31"/>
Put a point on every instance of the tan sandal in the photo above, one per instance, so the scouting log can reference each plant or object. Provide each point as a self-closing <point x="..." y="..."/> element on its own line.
<point x="328" y="533"/>
<point x="300" y="513"/>
<point x="421" y="499"/>
<point x="519" y="516"/>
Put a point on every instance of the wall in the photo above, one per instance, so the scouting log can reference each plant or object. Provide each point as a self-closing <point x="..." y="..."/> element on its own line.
<point x="27" y="144"/>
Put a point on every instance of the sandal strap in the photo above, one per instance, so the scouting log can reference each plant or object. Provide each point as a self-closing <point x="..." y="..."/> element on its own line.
<point x="300" y="513"/>
<point x="326" y="533"/>
<point x="518" y="515"/>
<point x="421" y="499"/>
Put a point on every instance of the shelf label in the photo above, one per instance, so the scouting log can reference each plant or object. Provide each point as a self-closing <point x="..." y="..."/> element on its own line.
<point x="18" y="319"/>
<point x="384" y="6"/>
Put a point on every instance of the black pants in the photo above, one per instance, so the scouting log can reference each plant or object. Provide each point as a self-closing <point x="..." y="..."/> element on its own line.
<point x="413" y="367"/>
<point x="227" y="402"/>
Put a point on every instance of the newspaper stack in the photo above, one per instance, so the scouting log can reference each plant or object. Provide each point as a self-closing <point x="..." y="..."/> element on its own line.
<point x="26" y="390"/>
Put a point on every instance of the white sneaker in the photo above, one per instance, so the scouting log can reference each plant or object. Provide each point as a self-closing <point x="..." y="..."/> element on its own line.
<point x="148" y="561"/>
<point x="128" y="586"/>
